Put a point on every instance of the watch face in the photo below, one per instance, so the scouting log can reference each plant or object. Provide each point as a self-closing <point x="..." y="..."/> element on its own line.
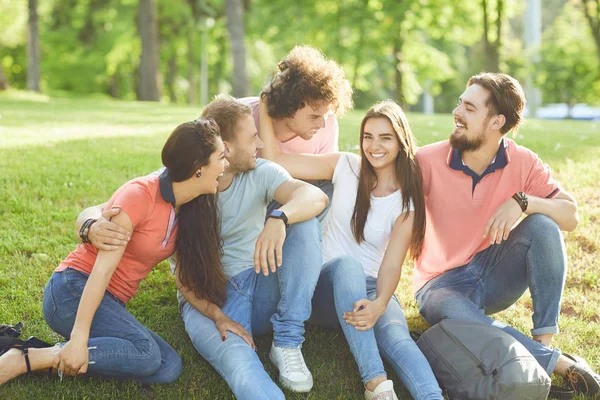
<point x="277" y="213"/>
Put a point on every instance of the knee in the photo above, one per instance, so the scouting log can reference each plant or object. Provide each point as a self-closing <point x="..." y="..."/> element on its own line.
<point x="430" y="306"/>
<point x="348" y="267"/>
<point x="540" y="225"/>
<point x="171" y="370"/>
<point x="149" y="356"/>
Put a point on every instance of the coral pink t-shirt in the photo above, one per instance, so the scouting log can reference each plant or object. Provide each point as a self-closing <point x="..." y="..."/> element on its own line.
<point x="152" y="239"/>
<point x="458" y="205"/>
<point x="324" y="141"/>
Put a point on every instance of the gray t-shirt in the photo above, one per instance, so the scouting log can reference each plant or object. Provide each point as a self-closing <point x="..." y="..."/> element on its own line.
<point x="243" y="209"/>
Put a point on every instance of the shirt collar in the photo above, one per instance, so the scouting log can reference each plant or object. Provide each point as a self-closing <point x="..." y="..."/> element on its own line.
<point x="500" y="161"/>
<point x="166" y="187"/>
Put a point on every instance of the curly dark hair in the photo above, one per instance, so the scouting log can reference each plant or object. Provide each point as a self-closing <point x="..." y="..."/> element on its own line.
<point x="306" y="76"/>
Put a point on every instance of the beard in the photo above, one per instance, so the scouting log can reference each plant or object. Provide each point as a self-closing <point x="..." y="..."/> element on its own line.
<point x="462" y="143"/>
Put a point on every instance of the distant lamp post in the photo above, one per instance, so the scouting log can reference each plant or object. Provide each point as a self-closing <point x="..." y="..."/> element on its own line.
<point x="533" y="42"/>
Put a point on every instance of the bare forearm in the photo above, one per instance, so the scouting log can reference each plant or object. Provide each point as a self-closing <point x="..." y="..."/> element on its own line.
<point x="305" y="203"/>
<point x="270" y="151"/>
<point x="387" y="282"/>
<point x="562" y="211"/>
<point x="89" y="303"/>
<point x="205" y="307"/>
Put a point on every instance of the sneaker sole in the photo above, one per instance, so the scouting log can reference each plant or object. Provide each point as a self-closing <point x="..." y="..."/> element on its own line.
<point x="304" y="387"/>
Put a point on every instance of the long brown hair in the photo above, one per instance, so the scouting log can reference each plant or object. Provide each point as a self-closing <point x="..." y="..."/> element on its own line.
<point x="198" y="246"/>
<point x="408" y="175"/>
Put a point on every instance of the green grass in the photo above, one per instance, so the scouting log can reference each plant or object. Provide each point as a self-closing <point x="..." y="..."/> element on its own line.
<point x="60" y="155"/>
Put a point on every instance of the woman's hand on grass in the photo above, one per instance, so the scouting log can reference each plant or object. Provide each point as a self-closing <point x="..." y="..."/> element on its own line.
<point x="365" y="314"/>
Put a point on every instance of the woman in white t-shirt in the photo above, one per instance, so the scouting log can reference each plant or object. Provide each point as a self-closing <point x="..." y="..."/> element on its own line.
<point x="377" y="200"/>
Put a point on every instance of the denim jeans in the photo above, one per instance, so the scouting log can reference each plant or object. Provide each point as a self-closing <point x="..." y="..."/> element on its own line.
<point x="532" y="257"/>
<point x="341" y="284"/>
<point x="280" y="301"/>
<point x="325" y="185"/>
<point x="120" y="346"/>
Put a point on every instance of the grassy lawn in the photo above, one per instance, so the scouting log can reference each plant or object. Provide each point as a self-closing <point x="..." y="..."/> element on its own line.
<point x="59" y="155"/>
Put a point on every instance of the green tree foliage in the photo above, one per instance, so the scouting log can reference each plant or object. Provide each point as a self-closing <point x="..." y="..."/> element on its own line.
<point x="388" y="48"/>
<point x="569" y="70"/>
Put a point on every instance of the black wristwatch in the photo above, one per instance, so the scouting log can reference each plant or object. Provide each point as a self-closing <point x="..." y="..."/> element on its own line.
<point x="278" y="214"/>
<point x="521" y="199"/>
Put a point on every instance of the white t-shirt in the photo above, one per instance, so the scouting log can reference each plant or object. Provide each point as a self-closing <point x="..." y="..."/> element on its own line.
<point x="338" y="239"/>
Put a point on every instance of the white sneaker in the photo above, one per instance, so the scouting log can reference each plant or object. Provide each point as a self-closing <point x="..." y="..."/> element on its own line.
<point x="383" y="391"/>
<point x="293" y="372"/>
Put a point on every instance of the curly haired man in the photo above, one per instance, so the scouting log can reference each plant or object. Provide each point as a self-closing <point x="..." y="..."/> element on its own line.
<point x="305" y="96"/>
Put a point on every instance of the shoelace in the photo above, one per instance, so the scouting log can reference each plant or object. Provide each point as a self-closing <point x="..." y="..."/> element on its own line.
<point x="573" y="376"/>
<point x="387" y="395"/>
<point x="292" y="359"/>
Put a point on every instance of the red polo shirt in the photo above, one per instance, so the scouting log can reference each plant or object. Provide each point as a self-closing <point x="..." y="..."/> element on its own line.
<point x="459" y="202"/>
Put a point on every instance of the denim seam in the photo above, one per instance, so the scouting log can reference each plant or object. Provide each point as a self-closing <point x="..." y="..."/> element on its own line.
<point x="51" y="298"/>
<point x="238" y="289"/>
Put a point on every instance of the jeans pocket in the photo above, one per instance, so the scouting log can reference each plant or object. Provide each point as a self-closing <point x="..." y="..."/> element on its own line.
<point x="74" y="281"/>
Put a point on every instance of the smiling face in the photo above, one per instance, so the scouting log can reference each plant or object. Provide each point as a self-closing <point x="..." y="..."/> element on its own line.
<point x="216" y="166"/>
<point x="380" y="144"/>
<point x="242" y="150"/>
<point x="309" y="119"/>
<point x="471" y="119"/>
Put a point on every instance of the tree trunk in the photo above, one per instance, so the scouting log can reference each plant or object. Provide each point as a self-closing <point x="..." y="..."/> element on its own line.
<point x="235" y="27"/>
<point x="171" y="76"/>
<point x="593" y="20"/>
<point x="398" y="43"/>
<point x="492" y="48"/>
<point x="86" y="34"/>
<point x="149" y="58"/>
<point x="192" y="74"/>
<point x="33" y="48"/>
<point x="3" y="81"/>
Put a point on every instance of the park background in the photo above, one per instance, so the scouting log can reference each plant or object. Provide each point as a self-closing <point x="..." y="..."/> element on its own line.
<point x="90" y="89"/>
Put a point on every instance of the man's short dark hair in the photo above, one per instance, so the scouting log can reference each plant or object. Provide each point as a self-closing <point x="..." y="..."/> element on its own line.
<point x="306" y="76"/>
<point x="506" y="97"/>
<point x="227" y="112"/>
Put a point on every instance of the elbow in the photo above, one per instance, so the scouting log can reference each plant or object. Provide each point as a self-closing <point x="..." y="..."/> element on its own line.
<point x="322" y="201"/>
<point x="571" y="223"/>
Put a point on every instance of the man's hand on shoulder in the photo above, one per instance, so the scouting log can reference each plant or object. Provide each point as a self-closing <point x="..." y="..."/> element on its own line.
<point x="500" y="223"/>
<point x="107" y="235"/>
<point x="269" y="246"/>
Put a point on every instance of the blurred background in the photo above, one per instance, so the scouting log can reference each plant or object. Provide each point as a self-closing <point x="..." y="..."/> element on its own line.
<point x="418" y="52"/>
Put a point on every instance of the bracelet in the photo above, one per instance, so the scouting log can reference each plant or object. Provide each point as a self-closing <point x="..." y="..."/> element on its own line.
<point x="85" y="230"/>
<point x="521" y="199"/>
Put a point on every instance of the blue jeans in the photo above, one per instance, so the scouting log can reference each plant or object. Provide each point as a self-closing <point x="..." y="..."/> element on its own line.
<point x="325" y="185"/>
<point x="533" y="257"/>
<point x="280" y="301"/>
<point x="341" y="284"/>
<point x="120" y="346"/>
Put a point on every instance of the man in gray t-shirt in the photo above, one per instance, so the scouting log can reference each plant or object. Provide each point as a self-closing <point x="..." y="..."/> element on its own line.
<point x="290" y="238"/>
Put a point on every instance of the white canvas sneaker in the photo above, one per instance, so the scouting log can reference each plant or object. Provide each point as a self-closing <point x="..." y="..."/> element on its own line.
<point x="293" y="372"/>
<point x="383" y="391"/>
